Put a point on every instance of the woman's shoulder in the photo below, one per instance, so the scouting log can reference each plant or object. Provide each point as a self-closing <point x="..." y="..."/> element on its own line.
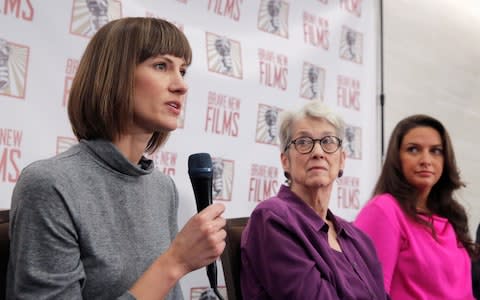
<point x="384" y="199"/>
<point x="49" y="175"/>
<point x="274" y="204"/>
<point x="273" y="207"/>
<point x="384" y="202"/>
<point x="382" y="210"/>
<point x="52" y="167"/>
<point x="42" y="170"/>
<point x="38" y="184"/>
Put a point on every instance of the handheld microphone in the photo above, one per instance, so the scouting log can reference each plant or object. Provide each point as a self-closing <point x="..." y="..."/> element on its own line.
<point x="200" y="170"/>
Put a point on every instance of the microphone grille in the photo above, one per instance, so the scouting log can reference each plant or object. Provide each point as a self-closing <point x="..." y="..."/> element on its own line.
<point x="200" y="162"/>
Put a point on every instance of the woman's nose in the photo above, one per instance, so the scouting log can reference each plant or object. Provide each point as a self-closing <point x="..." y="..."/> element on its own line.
<point x="178" y="84"/>
<point x="426" y="158"/>
<point x="317" y="149"/>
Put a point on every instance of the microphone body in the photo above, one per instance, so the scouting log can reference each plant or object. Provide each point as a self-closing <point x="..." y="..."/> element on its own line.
<point x="200" y="171"/>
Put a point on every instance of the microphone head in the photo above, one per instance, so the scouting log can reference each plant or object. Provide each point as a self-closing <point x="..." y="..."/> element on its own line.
<point x="200" y="171"/>
<point x="200" y="165"/>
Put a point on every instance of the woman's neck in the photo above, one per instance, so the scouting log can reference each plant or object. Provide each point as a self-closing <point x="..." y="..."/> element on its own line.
<point x="132" y="146"/>
<point x="318" y="198"/>
<point x="422" y="202"/>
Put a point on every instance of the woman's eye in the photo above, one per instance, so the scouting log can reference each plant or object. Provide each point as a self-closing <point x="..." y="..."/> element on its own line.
<point x="183" y="72"/>
<point x="328" y="140"/>
<point x="438" y="151"/>
<point x="412" y="149"/>
<point x="303" y="141"/>
<point x="300" y="142"/>
<point x="161" y="66"/>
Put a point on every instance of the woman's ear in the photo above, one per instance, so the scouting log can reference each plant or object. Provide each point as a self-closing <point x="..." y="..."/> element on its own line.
<point x="285" y="162"/>
<point x="286" y="168"/>
<point x="343" y="157"/>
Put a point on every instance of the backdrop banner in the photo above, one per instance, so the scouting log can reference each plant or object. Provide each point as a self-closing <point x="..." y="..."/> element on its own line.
<point x="251" y="60"/>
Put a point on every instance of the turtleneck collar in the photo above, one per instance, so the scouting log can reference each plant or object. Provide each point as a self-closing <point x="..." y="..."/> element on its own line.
<point x="109" y="154"/>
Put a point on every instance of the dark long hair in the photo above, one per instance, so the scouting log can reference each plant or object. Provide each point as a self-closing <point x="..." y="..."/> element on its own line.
<point x="441" y="200"/>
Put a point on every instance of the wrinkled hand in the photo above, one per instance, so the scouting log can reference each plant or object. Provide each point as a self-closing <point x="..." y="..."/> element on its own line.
<point x="202" y="240"/>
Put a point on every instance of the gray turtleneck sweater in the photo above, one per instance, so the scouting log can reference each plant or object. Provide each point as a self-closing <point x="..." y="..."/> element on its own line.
<point x="87" y="223"/>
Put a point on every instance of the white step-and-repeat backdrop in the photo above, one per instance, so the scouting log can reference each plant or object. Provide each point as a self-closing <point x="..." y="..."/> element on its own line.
<point x="251" y="60"/>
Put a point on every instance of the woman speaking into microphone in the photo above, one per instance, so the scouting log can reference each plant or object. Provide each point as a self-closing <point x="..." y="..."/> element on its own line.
<point x="99" y="221"/>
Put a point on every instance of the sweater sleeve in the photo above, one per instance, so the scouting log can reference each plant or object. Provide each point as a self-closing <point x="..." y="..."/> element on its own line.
<point x="45" y="256"/>
<point x="381" y="225"/>
<point x="274" y="257"/>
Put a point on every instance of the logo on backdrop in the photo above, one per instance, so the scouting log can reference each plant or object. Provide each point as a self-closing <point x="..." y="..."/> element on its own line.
<point x="267" y="124"/>
<point x="312" y="86"/>
<point x="13" y="69"/>
<point x="273" y="69"/>
<point x="70" y="70"/>
<point x="348" y="192"/>
<point x="10" y="154"/>
<point x="224" y="55"/>
<point x="263" y="182"/>
<point x="273" y="17"/>
<point x="222" y="185"/>
<point x="223" y="114"/>
<point x="351" y="45"/>
<point x="315" y="31"/>
<point x="353" y="7"/>
<point x="165" y="161"/>
<point x="21" y="9"/>
<point x="89" y="15"/>
<point x="230" y="9"/>
<point x="348" y="93"/>
<point x="352" y="144"/>
<point x="205" y="293"/>
<point x="64" y="143"/>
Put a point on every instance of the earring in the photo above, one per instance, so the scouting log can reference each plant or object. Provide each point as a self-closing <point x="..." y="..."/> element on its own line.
<point x="340" y="173"/>
<point x="287" y="176"/>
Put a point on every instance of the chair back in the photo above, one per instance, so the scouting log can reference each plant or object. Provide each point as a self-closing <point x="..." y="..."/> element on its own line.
<point x="231" y="260"/>
<point x="4" y="251"/>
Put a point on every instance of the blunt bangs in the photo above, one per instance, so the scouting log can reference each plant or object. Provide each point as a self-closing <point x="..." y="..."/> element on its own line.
<point x="174" y="42"/>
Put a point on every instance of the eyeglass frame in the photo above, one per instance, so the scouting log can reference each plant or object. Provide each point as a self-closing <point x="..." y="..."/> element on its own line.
<point x="314" y="141"/>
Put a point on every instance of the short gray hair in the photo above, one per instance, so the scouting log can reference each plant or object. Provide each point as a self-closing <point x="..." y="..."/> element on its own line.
<point x="313" y="109"/>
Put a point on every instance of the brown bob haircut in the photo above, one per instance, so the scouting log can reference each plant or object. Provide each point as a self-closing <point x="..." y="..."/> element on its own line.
<point x="100" y="104"/>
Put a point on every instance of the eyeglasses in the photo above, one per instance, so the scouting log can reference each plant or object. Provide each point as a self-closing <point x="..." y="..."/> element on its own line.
<point x="305" y="144"/>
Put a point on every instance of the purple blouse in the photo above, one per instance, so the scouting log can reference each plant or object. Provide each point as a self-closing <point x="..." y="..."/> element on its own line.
<point x="286" y="255"/>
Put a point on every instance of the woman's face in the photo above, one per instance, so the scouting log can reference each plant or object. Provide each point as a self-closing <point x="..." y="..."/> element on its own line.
<point x="159" y="93"/>
<point x="316" y="169"/>
<point x="422" y="157"/>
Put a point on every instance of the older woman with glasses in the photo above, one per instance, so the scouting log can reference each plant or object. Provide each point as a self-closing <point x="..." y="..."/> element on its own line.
<point x="294" y="247"/>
